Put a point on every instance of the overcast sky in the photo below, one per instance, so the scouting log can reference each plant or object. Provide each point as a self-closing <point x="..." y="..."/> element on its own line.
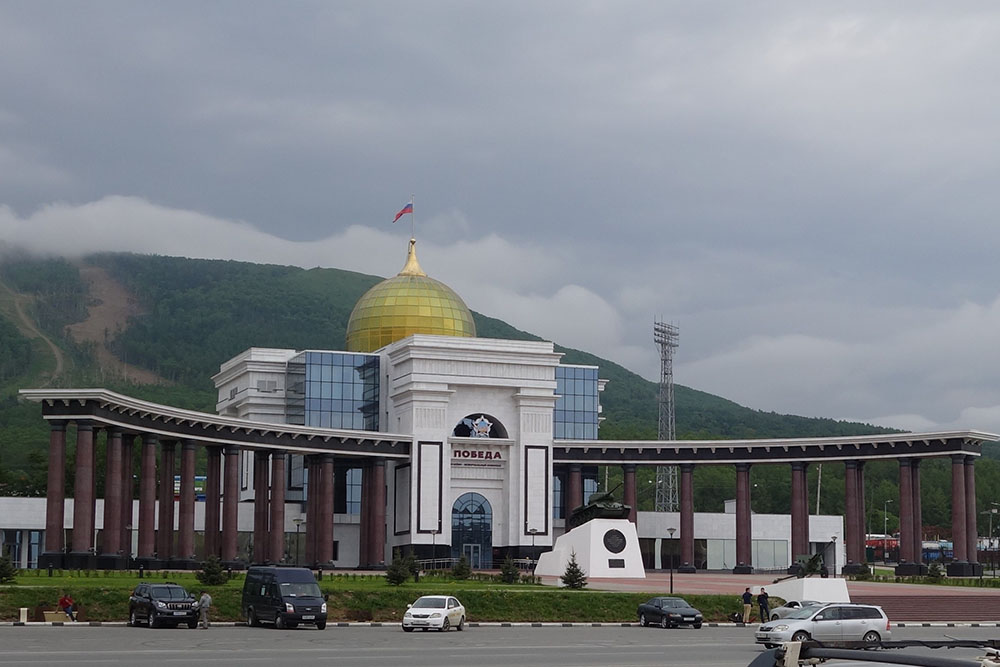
<point x="808" y="190"/>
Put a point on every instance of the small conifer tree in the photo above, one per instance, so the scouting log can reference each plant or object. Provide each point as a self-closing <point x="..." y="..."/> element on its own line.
<point x="574" y="576"/>
<point x="7" y="570"/>
<point x="398" y="571"/>
<point x="211" y="573"/>
<point x="461" y="569"/>
<point x="508" y="571"/>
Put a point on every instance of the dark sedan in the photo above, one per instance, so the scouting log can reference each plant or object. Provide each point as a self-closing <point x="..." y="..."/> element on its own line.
<point x="668" y="613"/>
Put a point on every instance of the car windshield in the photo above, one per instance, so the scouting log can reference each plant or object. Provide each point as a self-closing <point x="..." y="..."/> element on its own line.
<point x="300" y="589"/>
<point x="429" y="603"/>
<point x="168" y="593"/>
<point x="804" y="612"/>
<point x="672" y="602"/>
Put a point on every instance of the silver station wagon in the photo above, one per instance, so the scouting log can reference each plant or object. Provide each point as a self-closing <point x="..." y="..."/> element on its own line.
<point x="830" y="624"/>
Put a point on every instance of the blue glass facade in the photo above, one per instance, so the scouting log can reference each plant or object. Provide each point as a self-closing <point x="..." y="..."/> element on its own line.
<point x="576" y="411"/>
<point x="333" y="390"/>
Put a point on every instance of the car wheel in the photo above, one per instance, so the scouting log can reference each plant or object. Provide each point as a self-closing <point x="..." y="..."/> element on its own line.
<point x="151" y="620"/>
<point x="800" y="636"/>
<point x="663" y="622"/>
<point x="320" y="626"/>
<point x="252" y="619"/>
<point x="132" y="620"/>
<point x="445" y="625"/>
<point x="774" y="617"/>
<point x="770" y="646"/>
<point x="642" y="620"/>
<point x="192" y="624"/>
<point x="407" y="629"/>
<point x="697" y="626"/>
<point x="461" y="624"/>
<point x="279" y="622"/>
<point x="872" y="637"/>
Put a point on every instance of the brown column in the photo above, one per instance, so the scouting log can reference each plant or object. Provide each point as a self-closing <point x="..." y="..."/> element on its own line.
<point x="147" y="498"/>
<point x="971" y="530"/>
<point x="574" y="488"/>
<point x="800" y="512"/>
<point x="213" y="493"/>
<point x="364" y="543"/>
<point x="112" y="535"/>
<point x="628" y="474"/>
<point x="230" y="503"/>
<point x="917" y="516"/>
<point x="185" y="520"/>
<point x="83" y="488"/>
<point x="128" y="493"/>
<point x="958" y="534"/>
<point x="312" y="511"/>
<point x="743" y="521"/>
<point x="261" y="497"/>
<point x="851" y="536"/>
<point x="378" y="512"/>
<point x="905" y="512"/>
<point x="862" y="514"/>
<point x="324" y="536"/>
<point x="687" y="517"/>
<point x="276" y="546"/>
<point x="165" y="534"/>
<point x="55" y="493"/>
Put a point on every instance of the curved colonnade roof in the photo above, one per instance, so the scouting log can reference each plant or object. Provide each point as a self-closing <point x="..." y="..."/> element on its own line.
<point x="134" y="415"/>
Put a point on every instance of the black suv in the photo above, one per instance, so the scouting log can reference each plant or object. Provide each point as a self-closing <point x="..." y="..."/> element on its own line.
<point x="162" y="604"/>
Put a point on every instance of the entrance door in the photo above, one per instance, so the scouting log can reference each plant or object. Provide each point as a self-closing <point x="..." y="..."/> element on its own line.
<point x="472" y="530"/>
<point x="473" y="553"/>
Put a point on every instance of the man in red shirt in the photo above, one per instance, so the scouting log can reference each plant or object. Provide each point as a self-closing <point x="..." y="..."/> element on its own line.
<point x="66" y="604"/>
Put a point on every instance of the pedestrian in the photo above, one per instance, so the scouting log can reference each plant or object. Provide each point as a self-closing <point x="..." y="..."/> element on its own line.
<point x="66" y="604"/>
<point x="762" y="598"/>
<point x="203" y="604"/>
<point x="747" y="605"/>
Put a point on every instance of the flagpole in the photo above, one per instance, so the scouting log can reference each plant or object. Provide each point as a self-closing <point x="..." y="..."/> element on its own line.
<point x="412" y="218"/>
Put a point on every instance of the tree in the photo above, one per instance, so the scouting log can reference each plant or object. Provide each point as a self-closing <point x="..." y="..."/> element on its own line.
<point x="461" y="569"/>
<point x="398" y="571"/>
<point x="212" y="573"/>
<point x="509" y="573"/>
<point x="574" y="577"/>
<point x="7" y="570"/>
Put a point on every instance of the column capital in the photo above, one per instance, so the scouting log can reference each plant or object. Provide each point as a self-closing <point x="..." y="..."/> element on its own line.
<point x="84" y="425"/>
<point x="57" y="424"/>
<point x="800" y="465"/>
<point x="231" y="450"/>
<point x="743" y="467"/>
<point x="628" y="467"/>
<point x="686" y="467"/>
<point x="187" y="445"/>
<point x="958" y="458"/>
<point x="905" y="462"/>
<point x="851" y="463"/>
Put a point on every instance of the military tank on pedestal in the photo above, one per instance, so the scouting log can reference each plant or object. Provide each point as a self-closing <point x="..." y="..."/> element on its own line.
<point x="600" y="506"/>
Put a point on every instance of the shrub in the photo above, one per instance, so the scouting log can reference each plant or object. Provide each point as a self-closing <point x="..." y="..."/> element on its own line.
<point x="508" y="571"/>
<point x="212" y="573"/>
<point x="7" y="570"/>
<point x="461" y="569"/>
<point x="398" y="571"/>
<point x="934" y="572"/>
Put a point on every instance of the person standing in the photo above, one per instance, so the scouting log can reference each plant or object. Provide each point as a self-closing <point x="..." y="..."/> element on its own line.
<point x="747" y="605"/>
<point x="66" y="604"/>
<point x="203" y="605"/>
<point x="762" y="604"/>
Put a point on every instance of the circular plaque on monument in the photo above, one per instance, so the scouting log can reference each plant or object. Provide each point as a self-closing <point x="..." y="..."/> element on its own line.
<point x="614" y="541"/>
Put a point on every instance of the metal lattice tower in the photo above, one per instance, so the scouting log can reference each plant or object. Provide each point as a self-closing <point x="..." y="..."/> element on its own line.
<point x="666" y="337"/>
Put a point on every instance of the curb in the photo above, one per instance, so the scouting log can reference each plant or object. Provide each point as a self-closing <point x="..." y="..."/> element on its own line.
<point x="500" y="624"/>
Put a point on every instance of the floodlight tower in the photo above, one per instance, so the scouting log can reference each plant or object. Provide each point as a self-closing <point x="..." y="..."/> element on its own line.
<point x="666" y="336"/>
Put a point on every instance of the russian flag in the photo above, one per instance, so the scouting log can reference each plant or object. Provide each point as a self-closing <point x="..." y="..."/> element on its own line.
<point x="403" y="211"/>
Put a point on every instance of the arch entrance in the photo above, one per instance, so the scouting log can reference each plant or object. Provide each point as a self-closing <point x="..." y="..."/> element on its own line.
<point x="472" y="530"/>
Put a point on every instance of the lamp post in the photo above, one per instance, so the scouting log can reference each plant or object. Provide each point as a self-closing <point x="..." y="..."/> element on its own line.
<point x="671" y="531"/>
<point x="434" y="549"/>
<point x="532" y="532"/>
<point x="885" y="532"/>
<point x="298" y="521"/>
<point x="834" y="541"/>
<point x="989" y="542"/>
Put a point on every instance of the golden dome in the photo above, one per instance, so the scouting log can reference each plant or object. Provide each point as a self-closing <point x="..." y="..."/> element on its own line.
<point x="408" y="304"/>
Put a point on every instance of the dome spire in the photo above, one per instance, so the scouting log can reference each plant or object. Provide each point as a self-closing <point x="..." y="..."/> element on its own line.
<point x="412" y="267"/>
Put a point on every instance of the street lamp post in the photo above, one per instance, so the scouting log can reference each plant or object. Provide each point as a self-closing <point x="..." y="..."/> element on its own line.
<point x="834" y="541"/>
<point x="885" y="532"/>
<point x="532" y="532"/>
<point x="433" y="549"/>
<point x="671" y="531"/>
<point x="989" y="542"/>
<point x="298" y="521"/>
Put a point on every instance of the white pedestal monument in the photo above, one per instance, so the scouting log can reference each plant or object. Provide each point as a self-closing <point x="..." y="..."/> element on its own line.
<point x="603" y="548"/>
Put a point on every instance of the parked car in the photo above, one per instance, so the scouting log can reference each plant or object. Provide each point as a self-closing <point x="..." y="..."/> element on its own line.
<point x="831" y="623"/>
<point x="668" y="613"/>
<point x="164" y="604"/>
<point x="285" y="596"/>
<point x="434" y="611"/>
<point x="793" y="605"/>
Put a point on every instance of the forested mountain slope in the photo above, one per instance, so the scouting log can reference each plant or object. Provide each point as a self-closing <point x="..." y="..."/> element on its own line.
<point x="191" y="315"/>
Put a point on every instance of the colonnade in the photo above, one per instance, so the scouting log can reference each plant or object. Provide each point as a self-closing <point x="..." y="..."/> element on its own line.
<point x="159" y="544"/>
<point x="963" y="513"/>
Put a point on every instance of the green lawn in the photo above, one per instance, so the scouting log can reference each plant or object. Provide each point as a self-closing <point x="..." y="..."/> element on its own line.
<point x="356" y="598"/>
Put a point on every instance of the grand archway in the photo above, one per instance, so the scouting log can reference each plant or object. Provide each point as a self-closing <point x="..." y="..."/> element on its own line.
<point x="472" y="530"/>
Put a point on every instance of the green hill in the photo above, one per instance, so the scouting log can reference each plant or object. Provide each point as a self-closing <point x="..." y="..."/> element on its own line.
<point x="191" y="315"/>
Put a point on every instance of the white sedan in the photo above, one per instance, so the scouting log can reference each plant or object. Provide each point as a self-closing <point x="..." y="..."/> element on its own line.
<point x="440" y="612"/>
